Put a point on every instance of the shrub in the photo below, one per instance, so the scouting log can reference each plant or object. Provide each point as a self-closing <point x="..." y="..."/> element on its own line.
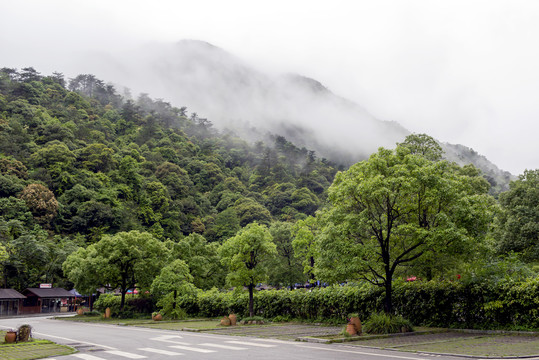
<point x="506" y="304"/>
<point x="108" y="301"/>
<point x="91" y="313"/>
<point x="381" y="323"/>
<point x="141" y="304"/>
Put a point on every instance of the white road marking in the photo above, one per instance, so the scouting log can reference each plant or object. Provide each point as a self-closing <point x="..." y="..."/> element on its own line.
<point x="188" y="348"/>
<point x="169" y="339"/>
<point x="250" y="343"/>
<point x="87" y="357"/>
<point x="126" y="354"/>
<point x="76" y="341"/>
<point x="221" y="346"/>
<point x="362" y="353"/>
<point x="159" y="351"/>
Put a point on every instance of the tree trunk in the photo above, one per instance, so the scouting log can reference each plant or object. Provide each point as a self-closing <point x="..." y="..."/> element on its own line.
<point x="312" y="267"/>
<point x="122" y="302"/>
<point x="388" y="306"/>
<point x="251" y="300"/>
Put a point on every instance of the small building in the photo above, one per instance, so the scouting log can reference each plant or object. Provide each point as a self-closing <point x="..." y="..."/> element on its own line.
<point x="10" y="302"/>
<point x="42" y="300"/>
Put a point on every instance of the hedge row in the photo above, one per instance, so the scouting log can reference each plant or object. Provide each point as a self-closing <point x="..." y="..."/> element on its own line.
<point x="442" y="303"/>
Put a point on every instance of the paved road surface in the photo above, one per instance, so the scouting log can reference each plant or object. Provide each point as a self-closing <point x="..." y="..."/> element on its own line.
<point x="99" y="341"/>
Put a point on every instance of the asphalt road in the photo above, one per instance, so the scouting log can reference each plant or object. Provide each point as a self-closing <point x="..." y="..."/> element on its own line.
<point x="98" y="341"/>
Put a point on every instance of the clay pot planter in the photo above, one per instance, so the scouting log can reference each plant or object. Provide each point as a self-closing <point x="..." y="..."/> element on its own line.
<point x="225" y="321"/>
<point x="107" y="313"/>
<point x="357" y="324"/>
<point x="233" y="319"/>
<point x="80" y="311"/>
<point x="351" y="329"/>
<point x="157" y="317"/>
<point x="11" y="337"/>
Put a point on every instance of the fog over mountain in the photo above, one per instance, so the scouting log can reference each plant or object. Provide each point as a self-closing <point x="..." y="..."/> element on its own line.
<point x="457" y="71"/>
<point x="233" y="95"/>
<point x="238" y="97"/>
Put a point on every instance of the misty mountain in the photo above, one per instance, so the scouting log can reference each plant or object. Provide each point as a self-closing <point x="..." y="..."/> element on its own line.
<point x="462" y="155"/>
<point x="252" y="104"/>
<point x="233" y="95"/>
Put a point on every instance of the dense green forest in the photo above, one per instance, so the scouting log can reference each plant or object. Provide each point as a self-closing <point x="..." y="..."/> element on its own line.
<point x="79" y="161"/>
<point x="86" y="173"/>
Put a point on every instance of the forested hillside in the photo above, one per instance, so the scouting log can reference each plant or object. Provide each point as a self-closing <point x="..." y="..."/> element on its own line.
<point x="101" y="190"/>
<point x="77" y="161"/>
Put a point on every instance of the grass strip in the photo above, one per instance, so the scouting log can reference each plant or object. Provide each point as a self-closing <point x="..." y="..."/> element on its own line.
<point x="34" y="349"/>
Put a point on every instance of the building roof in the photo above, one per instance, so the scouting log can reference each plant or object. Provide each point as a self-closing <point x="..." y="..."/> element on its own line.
<point x="11" y="294"/>
<point x="49" y="293"/>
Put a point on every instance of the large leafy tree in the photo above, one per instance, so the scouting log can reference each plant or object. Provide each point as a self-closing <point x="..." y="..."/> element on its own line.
<point x="202" y="260"/>
<point x="286" y="269"/>
<point x="173" y="280"/>
<point x="245" y="256"/>
<point x="391" y="210"/>
<point x="519" y="221"/>
<point x="305" y="233"/>
<point x="120" y="261"/>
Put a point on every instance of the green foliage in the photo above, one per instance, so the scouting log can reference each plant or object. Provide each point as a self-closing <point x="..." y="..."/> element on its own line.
<point x="382" y="323"/>
<point x="171" y="307"/>
<point x="122" y="261"/>
<point x="285" y="269"/>
<point x="518" y="224"/>
<point x="92" y="313"/>
<point x="423" y="145"/>
<point x="172" y="277"/>
<point x="202" y="260"/>
<point x="108" y="301"/>
<point x="305" y="232"/>
<point x="253" y="318"/>
<point x="506" y="305"/>
<point x="394" y="209"/>
<point x="82" y="164"/>
<point x="115" y="165"/>
<point x="246" y="255"/>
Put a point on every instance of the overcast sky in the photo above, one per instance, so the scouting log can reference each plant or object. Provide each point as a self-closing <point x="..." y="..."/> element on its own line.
<point x="462" y="71"/>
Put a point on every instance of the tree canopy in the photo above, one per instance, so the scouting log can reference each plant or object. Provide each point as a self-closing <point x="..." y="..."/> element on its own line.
<point x="120" y="261"/>
<point x="245" y="256"/>
<point x="393" y="209"/>
<point x="519" y="221"/>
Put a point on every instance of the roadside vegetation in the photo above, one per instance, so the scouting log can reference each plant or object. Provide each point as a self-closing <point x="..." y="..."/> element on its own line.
<point x="31" y="349"/>
<point x="100" y="190"/>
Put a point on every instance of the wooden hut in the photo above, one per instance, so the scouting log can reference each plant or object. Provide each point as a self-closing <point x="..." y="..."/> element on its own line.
<point x="43" y="300"/>
<point x="10" y="302"/>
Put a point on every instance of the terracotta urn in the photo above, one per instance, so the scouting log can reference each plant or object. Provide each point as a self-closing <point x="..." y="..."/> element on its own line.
<point x="225" y="321"/>
<point x="351" y="329"/>
<point x="11" y="337"/>
<point x="233" y="319"/>
<point x="357" y="323"/>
